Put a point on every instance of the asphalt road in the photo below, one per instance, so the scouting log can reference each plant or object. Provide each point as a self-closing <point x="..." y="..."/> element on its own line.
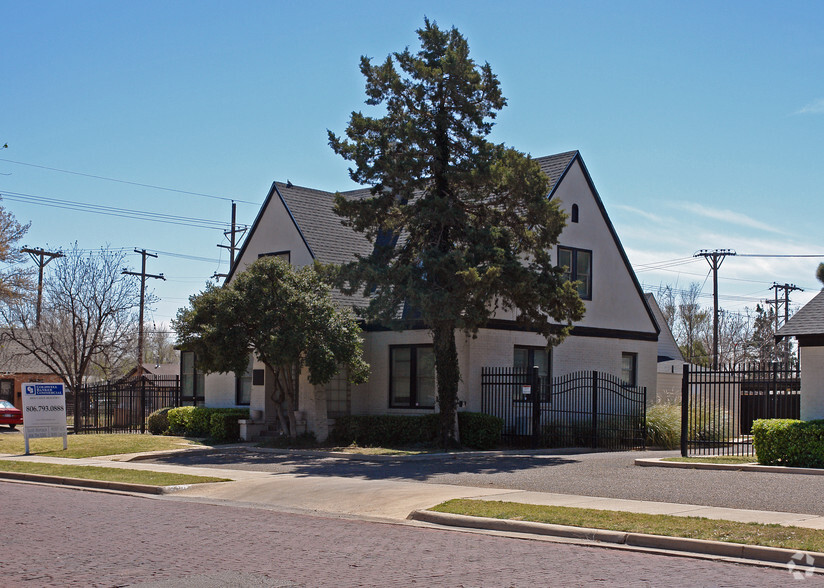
<point x="610" y="475"/>
<point x="63" y="537"/>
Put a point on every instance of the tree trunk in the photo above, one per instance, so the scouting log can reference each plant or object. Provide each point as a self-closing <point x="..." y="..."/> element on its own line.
<point x="448" y="375"/>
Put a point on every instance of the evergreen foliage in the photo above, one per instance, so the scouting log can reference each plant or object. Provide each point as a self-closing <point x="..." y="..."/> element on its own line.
<point x="461" y="226"/>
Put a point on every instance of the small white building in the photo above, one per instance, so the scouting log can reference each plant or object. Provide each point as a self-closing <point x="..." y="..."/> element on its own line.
<point x="618" y="335"/>
<point x="807" y="326"/>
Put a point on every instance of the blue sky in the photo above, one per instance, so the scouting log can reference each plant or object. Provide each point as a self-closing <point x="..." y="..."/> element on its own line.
<point x="702" y="123"/>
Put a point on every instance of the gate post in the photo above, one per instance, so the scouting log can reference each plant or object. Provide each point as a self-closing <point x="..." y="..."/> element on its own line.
<point x="536" y="407"/>
<point x="595" y="410"/>
<point x="143" y="404"/>
<point x="685" y="408"/>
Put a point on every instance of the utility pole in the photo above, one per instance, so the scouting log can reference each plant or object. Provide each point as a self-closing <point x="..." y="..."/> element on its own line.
<point x="715" y="259"/>
<point x="143" y="275"/>
<point x="233" y="235"/>
<point x="40" y="258"/>
<point x="787" y="288"/>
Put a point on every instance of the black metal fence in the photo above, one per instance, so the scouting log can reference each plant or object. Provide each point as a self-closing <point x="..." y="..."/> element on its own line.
<point x="581" y="409"/>
<point x="718" y="406"/>
<point x="121" y="406"/>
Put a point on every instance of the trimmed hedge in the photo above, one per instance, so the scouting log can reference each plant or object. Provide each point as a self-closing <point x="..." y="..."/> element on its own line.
<point x="224" y="426"/>
<point x="479" y="431"/>
<point x="385" y="430"/>
<point x="158" y="421"/>
<point x="220" y="424"/>
<point x="789" y="442"/>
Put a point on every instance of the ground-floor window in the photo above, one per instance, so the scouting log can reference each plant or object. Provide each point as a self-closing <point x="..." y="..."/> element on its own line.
<point x="412" y="376"/>
<point x="192" y="383"/>
<point x="337" y="395"/>
<point x="525" y="358"/>
<point x="629" y="368"/>
<point x="243" y="384"/>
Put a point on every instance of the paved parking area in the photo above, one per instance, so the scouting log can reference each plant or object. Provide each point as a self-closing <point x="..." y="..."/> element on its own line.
<point x="609" y="475"/>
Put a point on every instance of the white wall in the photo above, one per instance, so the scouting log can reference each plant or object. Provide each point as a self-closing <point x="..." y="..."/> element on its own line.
<point x="275" y="232"/>
<point x="812" y="382"/>
<point x="220" y="390"/>
<point x="616" y="303"/>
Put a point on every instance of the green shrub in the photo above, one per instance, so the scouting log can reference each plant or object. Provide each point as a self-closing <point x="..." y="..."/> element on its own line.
<point x="220" y="424"/>
<point x="158" y="421"/>
<point x="789" y="442"/>
<point x="385" y="430"/>
<point x="179" y="419"/>
<point x="199" y="421"/>
<point x="664" y="425"/>
<point x="480" y="431"/>
<point x="224" y="426"/>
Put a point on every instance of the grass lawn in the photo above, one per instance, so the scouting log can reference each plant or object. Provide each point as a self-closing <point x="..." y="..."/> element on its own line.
<point x="728" y="459"/>
<point x="92" y="445"/>
<point x="106" y="474"/>
<point x="672" y="526"/>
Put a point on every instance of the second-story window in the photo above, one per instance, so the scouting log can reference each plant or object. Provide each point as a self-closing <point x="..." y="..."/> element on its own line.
<point x="578" y="263"/>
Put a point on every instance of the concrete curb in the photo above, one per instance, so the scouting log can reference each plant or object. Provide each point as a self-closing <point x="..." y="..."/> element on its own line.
<point x="756" y="553"/>
<point x="84" y="483"/>
<point x="743" y="467"/>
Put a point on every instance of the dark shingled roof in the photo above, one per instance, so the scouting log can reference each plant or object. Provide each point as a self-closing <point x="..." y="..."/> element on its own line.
<point x="809" y="320"/>
<point x="331" y="242"/>
<point x="554" y="166"/>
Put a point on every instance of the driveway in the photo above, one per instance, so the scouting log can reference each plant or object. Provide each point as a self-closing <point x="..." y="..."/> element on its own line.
<point x="610" y="475"/>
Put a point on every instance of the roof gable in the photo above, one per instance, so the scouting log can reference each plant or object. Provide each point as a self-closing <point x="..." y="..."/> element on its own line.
<point x="809" y="320"/>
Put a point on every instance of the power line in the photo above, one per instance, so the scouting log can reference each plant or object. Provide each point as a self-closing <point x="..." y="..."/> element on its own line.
<point x="142" y="185"/>
<point x="776" y="255"/>
<point x="117" y="212"/>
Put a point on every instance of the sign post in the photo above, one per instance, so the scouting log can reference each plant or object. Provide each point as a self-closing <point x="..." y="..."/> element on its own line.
<point x="44" y="412"/>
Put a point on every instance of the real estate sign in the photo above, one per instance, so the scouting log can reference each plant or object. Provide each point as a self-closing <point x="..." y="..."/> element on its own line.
<point x="44" y="412"/>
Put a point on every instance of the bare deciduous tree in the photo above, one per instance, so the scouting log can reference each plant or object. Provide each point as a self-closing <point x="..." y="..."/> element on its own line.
<point x="88" y="315"/>
<point x="14" y="279"/>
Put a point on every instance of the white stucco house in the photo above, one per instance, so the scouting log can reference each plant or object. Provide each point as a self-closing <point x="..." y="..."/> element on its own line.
<point x="618" y="334"/>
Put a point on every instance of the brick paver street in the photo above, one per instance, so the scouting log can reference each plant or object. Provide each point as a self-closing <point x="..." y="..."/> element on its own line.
<point x="62" y="537"/>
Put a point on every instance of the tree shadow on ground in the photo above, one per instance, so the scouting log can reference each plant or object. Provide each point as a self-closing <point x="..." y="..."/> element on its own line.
<point x="417" y="468"/>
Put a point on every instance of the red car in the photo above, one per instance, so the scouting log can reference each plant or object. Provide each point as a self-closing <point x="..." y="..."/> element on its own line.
<point x="9" y="415"/>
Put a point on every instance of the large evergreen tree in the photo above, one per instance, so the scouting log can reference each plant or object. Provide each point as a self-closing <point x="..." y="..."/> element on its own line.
<point x="461" y="226"/>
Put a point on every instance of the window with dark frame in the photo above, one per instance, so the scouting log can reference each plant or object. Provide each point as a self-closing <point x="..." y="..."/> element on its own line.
<point x="285" y="255"/>
<point x="192" y="383"/>
<point x="411" y="376"/>
<point x="243" y="385"/>
<point x="578" y="263"/>
<point x="629" y="368"/>
<point x="338" y="395"/>
<point x="526" y="357"/>
<point x="574" y="214"/>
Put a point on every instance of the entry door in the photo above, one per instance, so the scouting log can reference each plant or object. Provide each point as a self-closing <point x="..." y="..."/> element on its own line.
<point x="7" y="390"/>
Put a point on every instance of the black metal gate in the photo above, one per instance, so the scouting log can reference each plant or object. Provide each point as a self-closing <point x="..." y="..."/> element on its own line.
<point x="121" y="406"/>
<point x="581" y="409"/>
<point x="718" y="406"/>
